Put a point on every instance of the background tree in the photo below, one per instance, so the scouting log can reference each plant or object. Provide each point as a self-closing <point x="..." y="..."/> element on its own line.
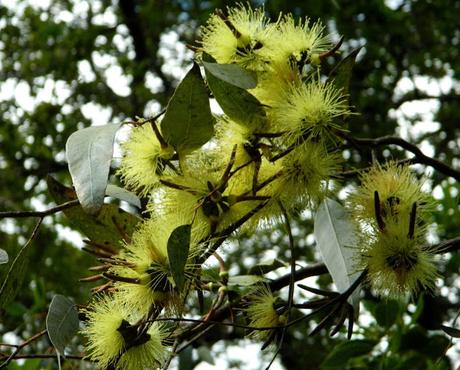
<point x="58" y="67"/>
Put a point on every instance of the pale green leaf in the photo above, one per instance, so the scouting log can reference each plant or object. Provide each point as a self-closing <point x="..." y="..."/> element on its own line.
<point x="336" y="239"/>
<point x="61" y="322"/>
<point x="123" y="194"/>
<point x="89" y="153"/>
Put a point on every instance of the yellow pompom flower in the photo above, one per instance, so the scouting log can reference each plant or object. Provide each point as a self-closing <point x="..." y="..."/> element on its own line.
<point x="142" y="159"/>
<point x="398" y="264"/>
<point x="262" y="312"/>
<point x="111" y="339"/>
<point x="395" y="188"/>
<point x="142" y="274"/>
<point x="309" y="110"/>
<point x="298" y="41"/>
<point x="240" y="37"/>
<point x="300" y="179"/>
<point x="105" y="342"/>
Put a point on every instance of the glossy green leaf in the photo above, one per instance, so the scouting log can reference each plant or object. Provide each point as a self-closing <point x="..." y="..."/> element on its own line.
<point x="188" y="122"/>
<point x="237" y="103"/>
<point x="340" y="76"/>
<point x="61" y="322"/>
<point x="386" y="313"/>
<point x="346" y="351"/>
<point x="123" y="194"/>
<point x="178" y="248"/>
<point x="267" y="266"/>
<point x="107" y="228"/>
<point x="336" y="239"/>
<point x="245" y="280"/>
<point x="3" y="257"/>
<point x="232" y="74"/>
<point x="89" y="152"/>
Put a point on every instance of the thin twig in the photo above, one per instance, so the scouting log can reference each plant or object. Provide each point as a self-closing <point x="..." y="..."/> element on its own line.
<point x="50" y="211"/>
<point x="20" y="347"/>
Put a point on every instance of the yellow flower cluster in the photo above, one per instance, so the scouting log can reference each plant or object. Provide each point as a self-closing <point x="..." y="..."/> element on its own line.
<point x="234" y="183"/>
<point x="393" y="212"/>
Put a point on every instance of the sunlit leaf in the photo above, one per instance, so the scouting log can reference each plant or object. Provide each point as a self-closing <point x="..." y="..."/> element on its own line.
<point x="123" y="194"/>
<point x="89" y="152"/>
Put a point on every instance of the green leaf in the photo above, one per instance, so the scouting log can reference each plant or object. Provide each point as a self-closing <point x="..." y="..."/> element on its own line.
<point x="89" y="153"/>
<point x="237" y="103"/>
<point x="336" y="239"/>
<point x="61" y="322"/>
<point x="3" y="257"/>
<point x="14" y="278"/>
<point x="386" y="313"/>
<point x="245" y="280"/>
<point x="106" y="228"/>
<point x="267" y="266"/>
<point x="340" y="76"/>
<point x="123" y="194"/>
<point x="232" y="74"/>
<point x="178" y="248"/>
<point x="188" y="122"/>
<point x="451" y="331"/>
<point x="346" y="351"/>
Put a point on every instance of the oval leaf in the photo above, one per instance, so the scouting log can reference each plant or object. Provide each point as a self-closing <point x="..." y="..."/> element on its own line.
<point x="335" y="237"/>
<point x="233" y="74"/>
<point x="61" y="322"/>
<point x="123" y="194"/>
<point x="346" y="351"/>
<point x="89" y="153"/>
<point x="178" y="247"/>
<point x="108" y="227"/>
<point x="3" y="257"/>
<point x="237" y="103"/>
<point x="188" y="122"/>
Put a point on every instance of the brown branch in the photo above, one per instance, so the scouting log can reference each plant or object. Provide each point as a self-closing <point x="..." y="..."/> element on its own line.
<point x="50" y="211"/>
<point x="394" y="140"/>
